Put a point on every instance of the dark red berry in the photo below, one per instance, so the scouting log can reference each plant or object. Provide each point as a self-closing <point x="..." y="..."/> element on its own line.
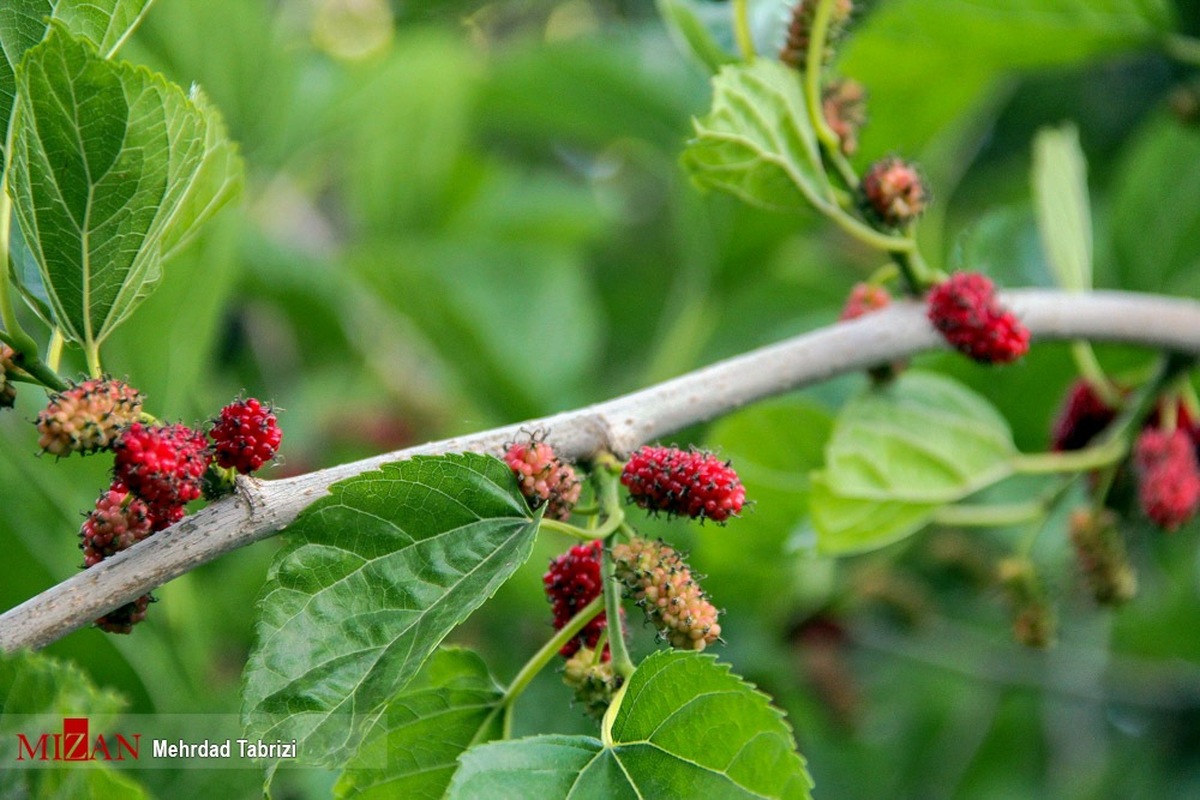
<point x="246" y="436"/>
<point x="690" y="483"/>
<point x="118" y="521"/>
<point x="572" y="582"/>
<point x="162" y="464"/>
<point x="122" y="620"/>
<point x="1084" y="414"/>
<point x="966" y="311"/>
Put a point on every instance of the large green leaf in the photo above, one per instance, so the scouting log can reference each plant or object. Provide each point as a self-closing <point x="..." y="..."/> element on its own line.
<point x="1064" y="213"/>
<point x="897" y="453"/>
<point x="24" y="23"/>
<point x="113" y="168"/>
<point x="757" y="142"/>
<point x="413" y="751"/>
<point x="371" y="581"/>
<point x="686" y="727"/>
<point x="36" y="693"/>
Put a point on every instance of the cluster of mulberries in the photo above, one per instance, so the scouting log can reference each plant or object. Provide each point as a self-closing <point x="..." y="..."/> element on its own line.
<point x="965" y="309"/>
<point x="87" y="417"/>
<point x="690" y="483"/>
<point x="659" y="580"/>
<point x="1100" y="553"/>
<point x="799" y="33"/>
<point x="1168" y="476"/>
<point x="892" y="193"/>
<point x="594" y="681"/>
<point x="157" y="468"/>
<point x="573" y="581"/>
<point x="543" y="476"/>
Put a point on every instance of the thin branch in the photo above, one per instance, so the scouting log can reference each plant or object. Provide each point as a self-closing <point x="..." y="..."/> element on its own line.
<point x="260" y="509"/>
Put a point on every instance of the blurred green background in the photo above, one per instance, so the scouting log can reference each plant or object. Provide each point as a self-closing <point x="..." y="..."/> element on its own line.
<point x="460" y="214"/>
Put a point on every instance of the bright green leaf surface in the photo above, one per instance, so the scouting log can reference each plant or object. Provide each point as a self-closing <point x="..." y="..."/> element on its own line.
<point x="1064" y="213"/>
<point x="756" y="143"/>
<point x="413" y="750"/>
<point x="372" y="580"/>
<point x="847" y="525"/>
<point x="691" y="35"/>
<point x="687" y="727"/>
<point x="36" y="692"/>
<point x="112" y="169"/>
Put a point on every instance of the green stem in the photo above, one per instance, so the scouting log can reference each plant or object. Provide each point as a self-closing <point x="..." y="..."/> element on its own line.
<point x="865" y="233"/>
<point x="54" y="349"/>
<point x="574" y="531"/>
<point x="1182" y="48"/>
<point x="92" y="351"/>
<point x="741" y="28"/>
<point x="621" y="661"/>
<point x="1101" y="455"/>
<point x="1089" y="367"/>
<point x="549" y="650"/>
<point x="814" y="61"/>
<point x="913" y="270"/>
<point x="997" y="515"/>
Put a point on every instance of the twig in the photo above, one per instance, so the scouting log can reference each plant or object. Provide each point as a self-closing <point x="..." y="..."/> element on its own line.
<point x="260" y="509"/>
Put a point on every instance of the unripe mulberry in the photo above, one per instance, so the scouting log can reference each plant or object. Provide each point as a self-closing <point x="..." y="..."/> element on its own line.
<point x="1100" y="553"/>
<point x="87" y="417"/>
<point x="690" y="483"/>
<point x="893" y="193"/>
<point x="965" y="309"/>
<point x="162" y="464"/>
<point x="122" y="620"/>
<point x="865" y="298"/>
<point x="1083" y="416"/>
<point x="594" y="681"/>
<point x="246" y="435"/>
<point x="656" y="577"/>
<point x="1168" y="476"/>
<point x="1034" y="622"/>
<point x="8" y="392"/>
<point x="118" y="521"/>
<point x="544" y="478"/>
<point x="844" y="105"/>
<point x="799" y="32"/>
<point x="573" y="581"/>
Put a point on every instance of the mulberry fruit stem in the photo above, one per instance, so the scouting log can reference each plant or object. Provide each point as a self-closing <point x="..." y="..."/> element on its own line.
<point x="741" y="29"/>
<point x="622" y="664"/>
<point x="1089" y="367"/>
<point x="992" y="515"/>
<point x="813" y="63"/>
<point x="548" y="652"/>
<point x="1109" y="451"/>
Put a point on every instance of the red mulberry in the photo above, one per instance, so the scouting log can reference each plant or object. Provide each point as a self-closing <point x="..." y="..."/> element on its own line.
<point x="1168" y="476"/>
<point x="865" y="298"/>
<point x="544" y="477"/>
<point x="966" y="311"/>
<point x="690" y="483"/>
<point x="893" y="193"/>
<point x="572" y="582"/>
<point x="246" y="435"/>
<point x="1083" y="416"/>
<point x="162" y="464"/>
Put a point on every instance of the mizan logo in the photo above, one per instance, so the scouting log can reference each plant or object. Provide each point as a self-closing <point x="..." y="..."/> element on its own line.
<point x="76" y="744"/>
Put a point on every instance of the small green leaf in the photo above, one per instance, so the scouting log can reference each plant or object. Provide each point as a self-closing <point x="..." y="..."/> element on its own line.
<point x="897" y="453"/>
<point x="686" y="727"/>
<point x="691" y="35"/>
<point x="1064" y="212"/>
<point x="36" y="693"/>
<point x="412" y="752"/>
<point x="370" y="582"/>
<point x="113" y="168"/>
<point x="757" y="142"/>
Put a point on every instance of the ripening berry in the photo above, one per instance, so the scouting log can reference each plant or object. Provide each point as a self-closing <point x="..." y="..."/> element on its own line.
<point x="118" y="520"/>
<point x="690" y="483"/>
<point x="799" y="32"/>
<point x="88" y="417"/>
<point x="572" y="582"/>
<point x="893" y="193"/>
<point x="594" y="681"/>
<point x="1083" y="415"/>
<point x="246" y="435"/>
<point x="865" y="298"/>
<point x="1033" y="623"/>
<point x="844" y="105"/>
<point x="161" y="464"/>
<point x="8" y="392"/>
<point x="965" y="309"/>
<point x="1100" y="553"/>
<point x="544" y="478"/>
<point x="1168" y="476"/>
<point x="122" y="620"/>
<point x="658" y="580"/>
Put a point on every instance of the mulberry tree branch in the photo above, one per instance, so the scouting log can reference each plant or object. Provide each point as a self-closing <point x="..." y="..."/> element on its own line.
<point x="260" y="509"/>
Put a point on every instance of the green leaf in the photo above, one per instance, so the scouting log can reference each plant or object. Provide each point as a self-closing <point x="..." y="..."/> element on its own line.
<point x="1064" y="212"/>
<point x="36" y="692"/>
<point x="24" y="23"/>
<point x="686" y="727"/>
<point x="113" y="169"/>
<point x="897" y="453"/>
<point x="372" y="579"/>
<point x="757" y="143"/>
<point x="413" y="750"/>
<point x="691" y="35"/>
